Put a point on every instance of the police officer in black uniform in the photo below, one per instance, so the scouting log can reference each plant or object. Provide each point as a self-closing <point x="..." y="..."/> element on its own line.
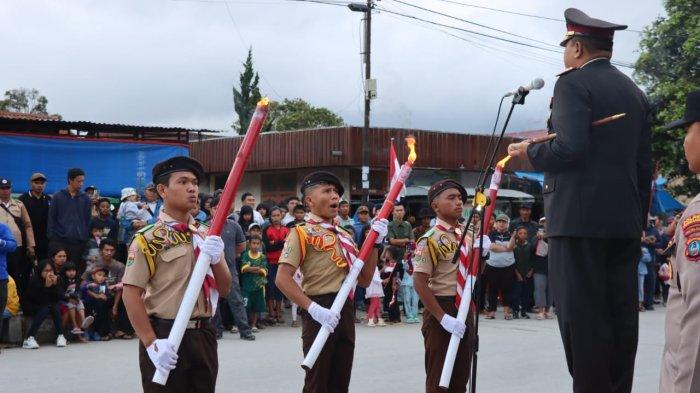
<point x="596" y="196"/>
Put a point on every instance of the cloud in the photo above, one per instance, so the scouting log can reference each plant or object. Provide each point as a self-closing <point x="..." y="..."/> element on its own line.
<point x="173" y="63"/>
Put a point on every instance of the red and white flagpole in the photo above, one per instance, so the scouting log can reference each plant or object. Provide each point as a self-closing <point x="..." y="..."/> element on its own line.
<point x="351" y="279"/>
<point x="469" y="265"/>
<point x="201" y="267"/>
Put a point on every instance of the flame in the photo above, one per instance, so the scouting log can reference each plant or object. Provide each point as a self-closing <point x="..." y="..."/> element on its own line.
<point x="503" y="162"/>
<point x="264" y="102"/>
<point x="411" y="143"/>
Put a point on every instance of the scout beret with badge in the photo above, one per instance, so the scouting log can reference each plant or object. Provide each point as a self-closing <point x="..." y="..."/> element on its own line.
<point x="692" y="112"/>
<point x="322" y="177"/>
<point x="578" y="24"/>
<point x="443" y="185"/>
<point x="178" y="164"/>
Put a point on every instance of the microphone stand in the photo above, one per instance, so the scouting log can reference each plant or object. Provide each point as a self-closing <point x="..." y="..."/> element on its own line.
<point x="479" y="204"/>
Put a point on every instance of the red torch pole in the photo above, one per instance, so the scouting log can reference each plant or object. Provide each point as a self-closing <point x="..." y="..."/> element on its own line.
<point x="199" y="272"/>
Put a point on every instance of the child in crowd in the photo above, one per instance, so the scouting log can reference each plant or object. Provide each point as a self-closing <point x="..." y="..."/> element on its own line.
<point x="11" y="308"/>
<point x="92" y="249"/>
<point x="253" y="280"/>
<point x="390" y="273"/>
<point x="410" y="297"/>
<point x="374" y="293"/>
<point x="73" y="305"/>
<point x="299" y="214"/>
<point x="523" y="253"/>
<point x="97" y="302"/>
<point x="642" y="271"/>
<point x="42" y="300"/>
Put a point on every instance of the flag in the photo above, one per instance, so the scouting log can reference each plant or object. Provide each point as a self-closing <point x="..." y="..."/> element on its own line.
<point x="394" y="169"/>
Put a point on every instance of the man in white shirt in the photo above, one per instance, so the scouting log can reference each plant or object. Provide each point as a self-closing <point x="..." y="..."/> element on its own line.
<point x="291" y="203"/>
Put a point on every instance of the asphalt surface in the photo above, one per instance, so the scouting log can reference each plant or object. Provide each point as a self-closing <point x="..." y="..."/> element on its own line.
<point x="515" y="356"/>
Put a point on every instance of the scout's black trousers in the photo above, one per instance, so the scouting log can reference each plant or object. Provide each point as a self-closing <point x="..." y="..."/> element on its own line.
<point x="197" y="363"/>
<point x="594" y="284"/>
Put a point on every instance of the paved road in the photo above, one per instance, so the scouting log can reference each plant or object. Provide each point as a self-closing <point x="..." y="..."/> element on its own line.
<point x="515" y="356"/>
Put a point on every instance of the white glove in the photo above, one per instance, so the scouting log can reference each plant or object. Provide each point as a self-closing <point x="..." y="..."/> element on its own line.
<point x="324" y="316"/>
<point x="487" y="245"/>
<point x="162" y="355"/>
<point x="213" y="246"/>
<point x="453" y="325"/>
<point x="382" y="228"/>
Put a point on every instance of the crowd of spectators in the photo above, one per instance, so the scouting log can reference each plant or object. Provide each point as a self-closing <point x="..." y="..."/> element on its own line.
<point x="62" y="256"/>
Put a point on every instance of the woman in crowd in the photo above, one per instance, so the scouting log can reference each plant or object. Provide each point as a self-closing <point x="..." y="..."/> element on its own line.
<point x="43" y="299"/>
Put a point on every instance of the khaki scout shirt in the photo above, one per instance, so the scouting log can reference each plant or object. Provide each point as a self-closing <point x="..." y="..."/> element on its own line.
<point x="18" y="210"/>
<point x="171" y="255"/>
<point x="318" y="254"/>
<point x="680" y="366"/>
<point x="434" y="253"/>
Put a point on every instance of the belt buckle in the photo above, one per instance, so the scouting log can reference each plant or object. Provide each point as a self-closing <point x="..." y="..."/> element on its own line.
<point x="192" y="324"/>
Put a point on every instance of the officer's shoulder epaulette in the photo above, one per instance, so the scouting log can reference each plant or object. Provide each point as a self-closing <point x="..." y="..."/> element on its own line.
<point x="567" y="71"/>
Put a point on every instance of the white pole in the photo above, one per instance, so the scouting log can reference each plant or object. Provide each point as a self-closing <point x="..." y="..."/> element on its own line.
<point x="348" y="285"/>
<point x="194" y="287"/>
<point x="451" y="355"/>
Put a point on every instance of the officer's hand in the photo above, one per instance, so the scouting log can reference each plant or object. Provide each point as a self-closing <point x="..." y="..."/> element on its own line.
<point x="487" y="245"/>
<point x="382" y="228"/>
<point x="518" y="149"/>
<point x="213" y="246"/>
<point x="453" y="325"/>
<point x="162" y="355"/>
<point x="324" y="316"/>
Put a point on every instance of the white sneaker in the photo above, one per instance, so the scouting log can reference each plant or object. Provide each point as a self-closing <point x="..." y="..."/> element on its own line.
<point x="61" y="341"/>
<point x="234" y="329"/>
<point x="371" y="323"/>
<point x="30" y="343"/>
<point x="380" y="322"/>
<point x="87" y="322"/>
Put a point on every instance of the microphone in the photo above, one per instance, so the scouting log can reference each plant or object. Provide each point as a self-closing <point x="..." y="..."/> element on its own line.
<point x="536" y="84"/>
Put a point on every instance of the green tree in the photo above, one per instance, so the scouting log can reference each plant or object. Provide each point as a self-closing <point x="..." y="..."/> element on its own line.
<point x="669" y="68"/>
<point x="298" y="114"/>
<point x="24" y="100"/>
<point x="246" y="98"/>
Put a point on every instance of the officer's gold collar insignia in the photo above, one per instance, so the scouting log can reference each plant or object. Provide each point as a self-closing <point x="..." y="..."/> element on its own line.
<point x="566" y="71"/>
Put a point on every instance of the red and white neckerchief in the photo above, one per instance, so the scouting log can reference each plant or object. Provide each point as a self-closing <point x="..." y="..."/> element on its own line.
<point x="209" y="288"/>
<point x="349" y="250"/>
<point x="463" y="270"/>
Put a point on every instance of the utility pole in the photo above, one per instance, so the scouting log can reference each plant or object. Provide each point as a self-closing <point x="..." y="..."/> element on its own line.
<point x="370" y="91"/>
<point x="365" y="129"/>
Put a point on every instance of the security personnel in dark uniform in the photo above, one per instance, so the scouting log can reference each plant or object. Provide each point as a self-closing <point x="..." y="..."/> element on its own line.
<point x="596" y="199"/>
<point x="158" y="270"/>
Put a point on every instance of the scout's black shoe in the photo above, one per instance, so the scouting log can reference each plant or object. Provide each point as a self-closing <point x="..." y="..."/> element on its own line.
<point x="248" y="337"/>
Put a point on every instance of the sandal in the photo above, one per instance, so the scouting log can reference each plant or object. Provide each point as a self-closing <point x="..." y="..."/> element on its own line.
<point x="106" y="338"/>
<point x="508" y="316"/>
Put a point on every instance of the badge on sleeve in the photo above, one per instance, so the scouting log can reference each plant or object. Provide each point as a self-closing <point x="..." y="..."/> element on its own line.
<point x="691" y="232"/>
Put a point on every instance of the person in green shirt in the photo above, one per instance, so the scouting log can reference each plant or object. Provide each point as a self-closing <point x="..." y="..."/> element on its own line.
<point x="253" y="280"/>
<point x="524" y="269"/>
<point x="400" y="231"/>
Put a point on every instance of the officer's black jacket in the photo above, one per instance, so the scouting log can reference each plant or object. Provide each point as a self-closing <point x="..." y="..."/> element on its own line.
<point x="597" y="178"/>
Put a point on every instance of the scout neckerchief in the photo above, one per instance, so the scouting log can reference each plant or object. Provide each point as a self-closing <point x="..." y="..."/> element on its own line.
<point x="464" y="255"/>
<point x="211" y="292"/>
<point x="348" y="247"/>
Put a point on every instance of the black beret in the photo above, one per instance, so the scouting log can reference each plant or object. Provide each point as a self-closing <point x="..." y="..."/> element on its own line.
<point x="322" y="177"/>
<point x="443" y="185"/>
<point x="692" y="111"/>
<point x="178" y="164"/>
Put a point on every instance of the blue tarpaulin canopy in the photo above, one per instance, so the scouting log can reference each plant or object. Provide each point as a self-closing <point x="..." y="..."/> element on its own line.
<point x="663" y="202"/>
<point x="537" y="176"/>
<point x="109" y="164"/>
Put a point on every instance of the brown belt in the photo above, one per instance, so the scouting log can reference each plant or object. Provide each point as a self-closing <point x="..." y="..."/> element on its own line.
<point x="196" y="323"/>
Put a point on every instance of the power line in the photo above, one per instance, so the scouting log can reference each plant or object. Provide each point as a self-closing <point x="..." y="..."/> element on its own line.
<point x="618" y="63"/>
<point x="471" y="22"/>
<point x="517" y="13"/>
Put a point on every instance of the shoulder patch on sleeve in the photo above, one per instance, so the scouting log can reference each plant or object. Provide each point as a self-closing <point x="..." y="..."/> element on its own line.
<point x="146" y="228"/>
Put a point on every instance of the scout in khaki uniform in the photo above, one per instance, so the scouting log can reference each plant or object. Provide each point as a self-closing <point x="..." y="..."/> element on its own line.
<point x="161" y="259"/>
<point x="323" y="252"/>
<point x="680" y="366"/>
<point x="435" y="281"/>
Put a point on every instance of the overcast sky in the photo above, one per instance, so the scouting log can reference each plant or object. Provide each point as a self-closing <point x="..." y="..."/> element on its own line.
<point x="173" y="63"/>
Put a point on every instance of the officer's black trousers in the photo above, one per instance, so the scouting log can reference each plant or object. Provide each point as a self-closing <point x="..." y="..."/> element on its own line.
<point x="594" y="284"/>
